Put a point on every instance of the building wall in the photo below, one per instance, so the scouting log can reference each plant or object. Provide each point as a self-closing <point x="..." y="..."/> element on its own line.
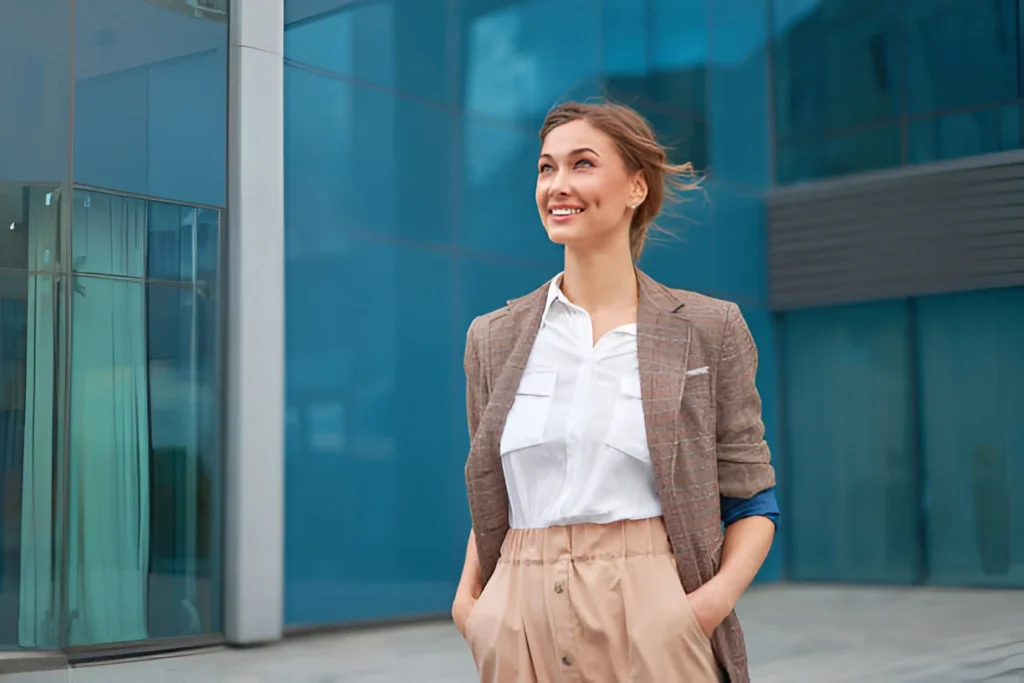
<point x="902" y="397"/>
<point x="410" y="147"/>
<point x="112" y="188"/>
<point x="863" y="85"/>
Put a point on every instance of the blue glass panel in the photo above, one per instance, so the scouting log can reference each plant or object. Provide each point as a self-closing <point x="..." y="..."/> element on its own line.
<point x="169" y="248"/>
<point x="151" y="100"/>
<point x="516" y="63"/>
<point x="499" y="208"/>
<point x="852" y="505"/>
<point x="865" y="150"/>
<point x="679" y="54"/>
<point x="108" y="234"/>
<point x="738" y="99"/>
<point x="401" y="45"/>
<point x="965" y="134"/>
<point x="960" y="53"/>
<point x="837" y="64"/>
<point x="35" y="50"/>
<point x="29" y="225"/>
<point x="373" y="468"/>
<point x="29" y="563"/>
<point x="183" y="585"/>
<point x="187" y="134"/>
<point x="486" y="285"/>
<point x="685" y="135"/>
<point x="181" y="243"/>
<point x="679" y="252"/>
<point x="972" y="400"/>
<point x="362" y="161"/>
<point x="625" y="40"/>
<point x="737" y="221"/>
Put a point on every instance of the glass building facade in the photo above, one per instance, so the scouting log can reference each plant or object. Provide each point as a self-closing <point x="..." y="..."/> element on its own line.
<point x="908" y="473"/>
<point x="861" y="85"/>
<point x="112" y="195"/>
<point x="410" y="154"/>
<point x="176" y="174"/>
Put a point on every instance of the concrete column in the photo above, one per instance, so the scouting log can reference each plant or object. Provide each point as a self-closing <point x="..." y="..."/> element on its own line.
<point x="254" y="352"/>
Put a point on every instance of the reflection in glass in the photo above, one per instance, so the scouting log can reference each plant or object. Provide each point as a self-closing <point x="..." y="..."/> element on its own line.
<point x="407" y="54"/>
<point x="28" y="570"/>
<point x="837" y="65"/>
<point x="965" y="134"/>
<point x="183" y="588"/>
<point x="679" y="50"/>
<point x="151" y="114"/>
<point x="35" y="51"/>
<point x="29" y="222"/>
<point x="108" y="234"/>
<point x="144" y="467"/>
<point x="960" y="53"/>
<point x="181" y="242"/>
<point x="516" y="65"/>
<point x="865" y="150"/>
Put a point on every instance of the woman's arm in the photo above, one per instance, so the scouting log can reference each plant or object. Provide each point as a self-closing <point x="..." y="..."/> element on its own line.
<point x="470" y="584"/>
<point x="744" y="471"/>
<point x="747" y="543"/>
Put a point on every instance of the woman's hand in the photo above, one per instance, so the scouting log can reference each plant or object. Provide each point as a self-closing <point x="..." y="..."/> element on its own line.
<point x="461" y="607"/>
<point x="711" y="604"/>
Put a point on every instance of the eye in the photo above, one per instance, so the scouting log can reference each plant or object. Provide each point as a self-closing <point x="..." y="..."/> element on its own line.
<point x="544" y="168"/>
<point x="584" y="163"/>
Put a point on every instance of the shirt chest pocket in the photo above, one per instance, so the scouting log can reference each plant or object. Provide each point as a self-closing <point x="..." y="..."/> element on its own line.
<point x="627" y="431"/>
<point x="529" y="413"/>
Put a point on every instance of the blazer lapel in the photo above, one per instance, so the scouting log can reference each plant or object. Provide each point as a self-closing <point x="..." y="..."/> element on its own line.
<point x="510" y="340"/>
<point x="663" y="346"/>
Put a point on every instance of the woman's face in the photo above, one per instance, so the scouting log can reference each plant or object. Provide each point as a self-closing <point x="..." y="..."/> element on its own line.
<point x="584" y="190"/>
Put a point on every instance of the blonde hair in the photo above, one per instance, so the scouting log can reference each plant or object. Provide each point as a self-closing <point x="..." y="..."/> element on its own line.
<point x="640" y="150"/>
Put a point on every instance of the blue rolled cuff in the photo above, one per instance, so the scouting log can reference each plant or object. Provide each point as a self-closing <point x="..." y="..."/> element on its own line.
<point x="763" y="504"/>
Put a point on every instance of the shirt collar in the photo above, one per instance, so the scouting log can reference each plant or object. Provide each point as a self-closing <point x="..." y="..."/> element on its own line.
<point x="554" y="294"/>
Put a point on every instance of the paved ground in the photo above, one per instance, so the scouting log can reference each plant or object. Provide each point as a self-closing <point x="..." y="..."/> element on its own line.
<point x="795" y="634"/>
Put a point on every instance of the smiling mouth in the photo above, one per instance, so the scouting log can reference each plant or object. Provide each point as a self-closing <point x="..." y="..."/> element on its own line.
<point x="564" y="212"/>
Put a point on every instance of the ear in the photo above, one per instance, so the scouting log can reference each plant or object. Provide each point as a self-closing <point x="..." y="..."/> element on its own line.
<point x="637" y="189"/>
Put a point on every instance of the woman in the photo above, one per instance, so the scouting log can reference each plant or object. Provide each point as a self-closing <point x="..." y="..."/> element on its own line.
<point x="614" y="428"/>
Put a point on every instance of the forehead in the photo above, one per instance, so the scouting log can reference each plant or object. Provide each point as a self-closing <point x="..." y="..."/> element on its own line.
<point x="575" y="135"/>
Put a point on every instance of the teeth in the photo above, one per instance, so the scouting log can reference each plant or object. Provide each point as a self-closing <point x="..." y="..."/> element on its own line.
<point x="565" y="212"/>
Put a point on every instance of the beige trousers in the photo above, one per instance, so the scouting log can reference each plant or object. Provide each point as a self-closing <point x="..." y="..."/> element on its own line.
<point x="593" y="603"/>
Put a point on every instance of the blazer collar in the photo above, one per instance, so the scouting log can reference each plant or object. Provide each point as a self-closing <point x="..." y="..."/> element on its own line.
<point x="651" y="293"/>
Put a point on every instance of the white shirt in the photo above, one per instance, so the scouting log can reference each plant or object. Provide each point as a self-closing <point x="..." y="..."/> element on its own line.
<point x="574" y="447"/>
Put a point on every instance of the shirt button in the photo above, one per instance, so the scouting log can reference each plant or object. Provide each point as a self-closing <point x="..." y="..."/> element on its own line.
<point x="567" y="660"/>
<point x="559" y="587"/>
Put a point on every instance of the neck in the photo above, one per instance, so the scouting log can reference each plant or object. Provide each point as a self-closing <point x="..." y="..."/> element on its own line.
<point x="600" y="280"/>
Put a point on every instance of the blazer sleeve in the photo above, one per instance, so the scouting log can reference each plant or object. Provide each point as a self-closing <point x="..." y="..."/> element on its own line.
<point x="476" y="392"/>
<point x="744" y="462"/>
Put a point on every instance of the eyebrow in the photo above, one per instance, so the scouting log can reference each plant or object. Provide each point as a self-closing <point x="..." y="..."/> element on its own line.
<point x="573" y="153"/>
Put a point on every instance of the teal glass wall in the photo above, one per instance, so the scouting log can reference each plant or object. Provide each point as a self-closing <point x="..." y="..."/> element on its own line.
<point x="112" y="188"/>
<point x="905" y="445"/>
<point x="851" y="469"/>
<point x="862" y="85"/>
<point x="410" y="148"/>
<point x="972" y="405"/>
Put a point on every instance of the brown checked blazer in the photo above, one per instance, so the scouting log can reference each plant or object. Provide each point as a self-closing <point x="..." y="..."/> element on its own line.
<point x="704" y="431"/>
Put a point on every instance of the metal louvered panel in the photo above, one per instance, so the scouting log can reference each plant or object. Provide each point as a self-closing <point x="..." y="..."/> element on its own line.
<point x="945" y="227"/>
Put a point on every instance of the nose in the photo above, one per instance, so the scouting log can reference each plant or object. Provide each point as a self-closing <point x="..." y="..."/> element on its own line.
<point x="559" y="184"/>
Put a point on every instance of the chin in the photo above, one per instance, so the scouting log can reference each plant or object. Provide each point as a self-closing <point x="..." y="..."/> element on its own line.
<point x="563" y="235"/>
